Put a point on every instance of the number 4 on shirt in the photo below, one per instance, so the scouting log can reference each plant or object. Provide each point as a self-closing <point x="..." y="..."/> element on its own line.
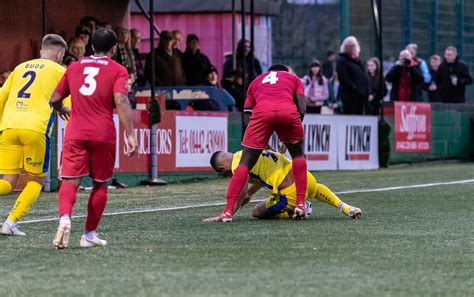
<point x="270" y="78"/>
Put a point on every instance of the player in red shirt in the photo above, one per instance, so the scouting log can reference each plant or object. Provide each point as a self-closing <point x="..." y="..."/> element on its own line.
<point x="96" y="84"/>
<point x="276" y="102"/>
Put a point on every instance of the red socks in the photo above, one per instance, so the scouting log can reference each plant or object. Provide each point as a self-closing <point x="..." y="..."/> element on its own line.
<point x="299" y="173"/>
<point x="235" y="187"/>
<point x="95" y="208"/>
<point x="67" y="198"/>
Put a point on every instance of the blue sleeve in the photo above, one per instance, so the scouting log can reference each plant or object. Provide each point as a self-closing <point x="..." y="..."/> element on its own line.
<point x="425" y="71"/>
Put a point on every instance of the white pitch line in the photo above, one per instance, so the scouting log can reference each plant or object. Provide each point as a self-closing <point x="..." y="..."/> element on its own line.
<point x="457" y="182"/>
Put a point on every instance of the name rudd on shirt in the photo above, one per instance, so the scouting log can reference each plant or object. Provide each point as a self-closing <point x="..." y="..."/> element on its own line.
<point x="358" y="142"/>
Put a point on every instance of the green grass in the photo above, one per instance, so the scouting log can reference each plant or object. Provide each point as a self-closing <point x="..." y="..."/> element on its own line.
<point x="411" y="242"/>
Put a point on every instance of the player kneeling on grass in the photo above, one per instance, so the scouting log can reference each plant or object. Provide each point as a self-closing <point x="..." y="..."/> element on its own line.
<point x="96" y="84"/>
<point x="26" y="122"/>
<point x="273" y="171"/>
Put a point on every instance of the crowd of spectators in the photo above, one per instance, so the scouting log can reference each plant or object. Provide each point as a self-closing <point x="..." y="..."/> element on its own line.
<point x="340" y="83"/>
<point x="350" y="86"/>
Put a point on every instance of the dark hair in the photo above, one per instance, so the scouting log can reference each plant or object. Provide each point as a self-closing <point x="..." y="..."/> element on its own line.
<point x="81" y="29"/>
<point x="191" y="37"/>
<point x="87" y="19"/>
<point x="378" y="69"/>
<point x="330" y="53"/>
<point x="278" y="67"/>
<point x="104" y="40"/>
<point x="53" y="40"/>
<point x="316" y="63"/>
<point x="69" y="59"/>
<point x="214" y="161"/>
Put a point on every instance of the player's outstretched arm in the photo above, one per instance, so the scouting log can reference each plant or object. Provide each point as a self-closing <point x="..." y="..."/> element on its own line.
<point x="125" y="114"/>
<point x="57" y="102"/>
<point x="245" y="196"/>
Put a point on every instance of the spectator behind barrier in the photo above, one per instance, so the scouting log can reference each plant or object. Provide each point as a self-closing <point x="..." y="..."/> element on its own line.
<point x="316" y="88"/>
<point x="432" y="87"/>
<point x="329" y="65"/>
<point x="243" y="47"/>
<point x="84" y="33"/>
<point x="90" y="22"/>
<point x="76" y="47"/>
<point x="453" y="77"/>
<point x="354" y="81"/>
<point x="234" y="85"/>
<point x="177" y="38"/>
<point x="124" y="54"/>
<point x="135" y="37"/>
<point x="3" y="76"/>
<point x="422" y="67"/>
<point x="68" y="60"/>
<point x="211" y="80"/>
<point x="168" y="68"/>
<point x="196" y="65"/>
<point x="378" y="89"/>
<point x="405" y="77"/>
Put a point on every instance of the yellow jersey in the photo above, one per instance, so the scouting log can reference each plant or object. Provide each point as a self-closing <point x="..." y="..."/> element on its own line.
<point x="24" y="98"/>
<point x="270" y="170"/>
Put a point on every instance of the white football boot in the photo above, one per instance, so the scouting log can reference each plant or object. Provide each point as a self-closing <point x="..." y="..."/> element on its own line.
<point x="354" y="212"/>
<point x="95" y="242"/>
<point x="11" y="229"/>
<point x="309" y="209"/>
<point x="61" y="239"/>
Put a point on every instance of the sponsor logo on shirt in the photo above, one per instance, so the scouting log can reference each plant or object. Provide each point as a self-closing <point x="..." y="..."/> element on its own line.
<point x="34" y="164"/>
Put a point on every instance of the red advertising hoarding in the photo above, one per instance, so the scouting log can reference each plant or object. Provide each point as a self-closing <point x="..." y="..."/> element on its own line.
<point x="412" y="127"/>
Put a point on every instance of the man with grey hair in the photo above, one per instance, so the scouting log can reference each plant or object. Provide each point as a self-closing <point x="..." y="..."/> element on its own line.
<point x="405" y="78"/>
<point x="453" y="77"/>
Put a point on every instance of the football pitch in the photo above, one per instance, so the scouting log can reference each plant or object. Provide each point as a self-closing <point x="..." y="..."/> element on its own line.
<point x="410" y="241"/>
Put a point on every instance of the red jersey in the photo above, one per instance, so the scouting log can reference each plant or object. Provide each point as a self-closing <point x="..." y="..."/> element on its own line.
<point x="92" y="82"/>
<point x="273" y="90"/>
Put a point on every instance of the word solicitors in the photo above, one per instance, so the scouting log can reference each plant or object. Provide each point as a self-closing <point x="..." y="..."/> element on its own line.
<point x="412" y="127"/>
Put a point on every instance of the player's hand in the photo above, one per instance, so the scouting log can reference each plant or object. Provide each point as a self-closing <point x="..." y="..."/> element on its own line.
<point x="132" y="145"/>
<point x="223" y="217"/>
<point x="299" y="213"/>
<point x="64" y="113"/>
<point x="245" y="201"/>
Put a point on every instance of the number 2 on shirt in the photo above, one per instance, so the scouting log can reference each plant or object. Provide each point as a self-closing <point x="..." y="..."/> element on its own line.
<point x="90" y="84"/>
<point x="271" y="78"/>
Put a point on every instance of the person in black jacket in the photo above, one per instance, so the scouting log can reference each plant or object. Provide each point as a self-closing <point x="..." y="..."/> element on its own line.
<point x="453" y="77"/>
<point x="378" y="88"/>
<point x="168" y="68"/>
<point x="432" y="87"/>
<point x="354" y="81"/>
<point x="243" y="47"/>
<point x="405" y="78"/>
<point x="196" y="65"/>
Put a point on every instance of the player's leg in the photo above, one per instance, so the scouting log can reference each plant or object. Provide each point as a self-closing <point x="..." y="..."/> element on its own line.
<point x="255" y="140"/>
<point x="74" y="165"/>
<point x="11" y="160"/>
<point x="324" y="194"/>
<point x="102" y="167"/>
<point x="35" y="147"/>
<point x="274" y="207"/>
<point x="290" y="131"/>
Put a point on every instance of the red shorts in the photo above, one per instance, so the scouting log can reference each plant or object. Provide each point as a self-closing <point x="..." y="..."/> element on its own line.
<point x="286" y="124"/>
<point x="87" y="158"/>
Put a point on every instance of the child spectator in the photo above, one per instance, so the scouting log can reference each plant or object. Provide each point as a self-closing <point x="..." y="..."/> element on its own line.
<point x="315" y="88"/>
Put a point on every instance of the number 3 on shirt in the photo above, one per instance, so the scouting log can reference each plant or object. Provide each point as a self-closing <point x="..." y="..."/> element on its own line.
<point x="90" y="84"/>
<point x="270" y="78"/>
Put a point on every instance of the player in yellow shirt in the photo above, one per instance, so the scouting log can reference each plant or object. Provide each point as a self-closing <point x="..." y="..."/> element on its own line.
<point x="273" y="171"/>
<point x="26" y="122"/>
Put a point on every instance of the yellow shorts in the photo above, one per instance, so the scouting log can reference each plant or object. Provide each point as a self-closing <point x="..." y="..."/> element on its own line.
<point x="285" y="200"/>
<point x="24" y="149"/>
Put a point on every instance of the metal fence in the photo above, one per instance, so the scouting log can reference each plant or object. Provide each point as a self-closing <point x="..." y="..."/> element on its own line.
<point x="306" y="29"/>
